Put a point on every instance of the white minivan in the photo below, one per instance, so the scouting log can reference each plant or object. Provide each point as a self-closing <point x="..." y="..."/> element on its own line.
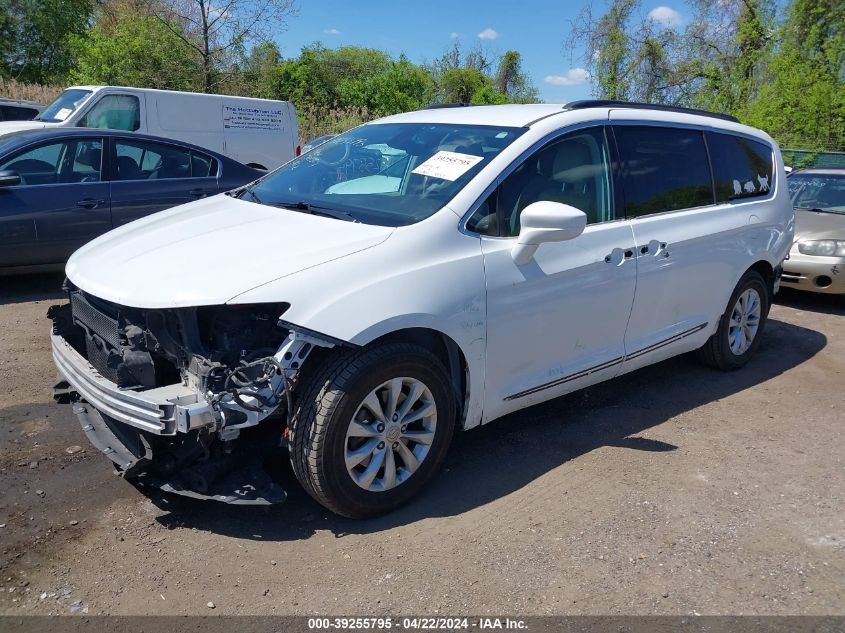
<point x="259" y="133"/>
<point x="420" y="273"/>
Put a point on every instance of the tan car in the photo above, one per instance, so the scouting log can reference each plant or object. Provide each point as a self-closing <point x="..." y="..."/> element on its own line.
<point x="817" y="260"/>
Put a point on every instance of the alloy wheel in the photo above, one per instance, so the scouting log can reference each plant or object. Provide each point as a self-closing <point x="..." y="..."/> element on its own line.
<point x="744" y="322"/>
<point x="390" y="434"/>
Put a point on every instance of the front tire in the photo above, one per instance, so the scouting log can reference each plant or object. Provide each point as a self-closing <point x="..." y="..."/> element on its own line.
<point x="371" y="427"/>
<point x="740" y="327"/>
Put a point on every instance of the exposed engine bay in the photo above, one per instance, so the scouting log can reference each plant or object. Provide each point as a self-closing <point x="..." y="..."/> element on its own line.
<point x="187" y="400"/>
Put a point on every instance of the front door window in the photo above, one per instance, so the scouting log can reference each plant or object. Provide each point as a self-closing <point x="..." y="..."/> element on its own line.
<point x="78" y="160"/>
<point x="114" y="112"/>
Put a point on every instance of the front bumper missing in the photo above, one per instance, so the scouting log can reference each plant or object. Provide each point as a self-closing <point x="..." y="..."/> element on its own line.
<point x="114" y="421"/>
<point x="162" y="411"/>
<point x="153" y="435"/>
<point x="247" y="485"/>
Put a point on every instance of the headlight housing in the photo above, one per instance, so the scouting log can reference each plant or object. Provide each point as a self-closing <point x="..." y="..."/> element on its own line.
<point x="823" y="248"/>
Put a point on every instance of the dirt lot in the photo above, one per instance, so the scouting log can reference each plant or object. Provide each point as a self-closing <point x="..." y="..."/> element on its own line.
<point x="675" y="490"/>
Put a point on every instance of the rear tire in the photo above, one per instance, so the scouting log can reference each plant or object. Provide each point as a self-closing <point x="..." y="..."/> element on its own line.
<point x="400" y="448"/>
<point x="740" y="327"/>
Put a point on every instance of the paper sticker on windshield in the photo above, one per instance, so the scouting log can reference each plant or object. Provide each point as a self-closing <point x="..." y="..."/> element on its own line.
<point x="62" y="114"/>
<point x="447" y="165"/>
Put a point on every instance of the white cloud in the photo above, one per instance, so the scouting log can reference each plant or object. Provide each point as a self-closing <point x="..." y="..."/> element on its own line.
<point x="488" y="34"/>
<point x="666" y="16"/>
<point x="572" y="77"/>
<point x="454" y="35"/>
<point x="331" y="31"/>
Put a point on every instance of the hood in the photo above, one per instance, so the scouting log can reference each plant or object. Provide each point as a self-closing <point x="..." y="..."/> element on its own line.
<point x="7" y="127"/>
<point x="812" y="225"/>
<point x="209" y="251"/>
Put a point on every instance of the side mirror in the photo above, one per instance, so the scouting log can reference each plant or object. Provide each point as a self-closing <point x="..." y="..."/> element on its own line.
<point x="9" y="178"/>
<point x="546" y="221"/>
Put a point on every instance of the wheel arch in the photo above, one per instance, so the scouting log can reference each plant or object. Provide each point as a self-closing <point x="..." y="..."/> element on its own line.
<point x="767" y="272"/>
<point x="447" y="350"/>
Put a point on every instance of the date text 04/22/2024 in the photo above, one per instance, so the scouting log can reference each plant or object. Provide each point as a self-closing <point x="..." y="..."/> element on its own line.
<point x="418" y="623"/>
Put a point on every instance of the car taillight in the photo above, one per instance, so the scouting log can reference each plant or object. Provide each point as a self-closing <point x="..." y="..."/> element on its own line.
<point x="299" y="150"/>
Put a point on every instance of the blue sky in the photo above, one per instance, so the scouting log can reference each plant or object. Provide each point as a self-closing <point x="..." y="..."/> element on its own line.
<point x="423" y="30"/>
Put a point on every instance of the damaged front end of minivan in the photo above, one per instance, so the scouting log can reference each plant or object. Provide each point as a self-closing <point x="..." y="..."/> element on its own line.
<point x="187" y="400"/>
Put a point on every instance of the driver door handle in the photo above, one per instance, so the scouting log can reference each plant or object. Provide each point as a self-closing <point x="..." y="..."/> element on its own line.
<point x="199" y="193"/>
<point x="90" y="203"/>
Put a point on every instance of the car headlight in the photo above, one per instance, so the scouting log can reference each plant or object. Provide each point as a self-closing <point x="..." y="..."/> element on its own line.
<point x="824" y="248"/>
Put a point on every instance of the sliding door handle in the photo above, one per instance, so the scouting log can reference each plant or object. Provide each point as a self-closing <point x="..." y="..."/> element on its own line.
<point x="654" y="248"/>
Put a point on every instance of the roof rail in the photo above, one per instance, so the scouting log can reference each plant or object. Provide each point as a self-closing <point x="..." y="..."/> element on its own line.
<point x="610" y="103"/>
<point x="437" y="106"/>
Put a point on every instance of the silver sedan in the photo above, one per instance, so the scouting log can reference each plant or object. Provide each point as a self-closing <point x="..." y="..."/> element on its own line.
<point x="817" y="260"/>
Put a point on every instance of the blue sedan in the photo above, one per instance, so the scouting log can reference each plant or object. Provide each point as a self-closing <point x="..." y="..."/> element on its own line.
<point x="62" y="188"/>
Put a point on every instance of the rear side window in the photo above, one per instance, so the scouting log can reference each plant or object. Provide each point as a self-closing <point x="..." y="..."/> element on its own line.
<point x="742" y="168"/>
<point x="202" y="165"/>
<point x="147" y="160"/>
<point x="663" y="169"/>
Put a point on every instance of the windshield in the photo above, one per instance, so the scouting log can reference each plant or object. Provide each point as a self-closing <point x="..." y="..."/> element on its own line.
<point x="822" y="192"/>
<point x="392" y="174"/>
<point x="64" y="105"/>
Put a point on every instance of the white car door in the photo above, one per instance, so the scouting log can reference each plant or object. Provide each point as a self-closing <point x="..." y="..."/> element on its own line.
<point x="556" y="323"/>
<point x="667" y="194"/>
<point x="693" y="233"/>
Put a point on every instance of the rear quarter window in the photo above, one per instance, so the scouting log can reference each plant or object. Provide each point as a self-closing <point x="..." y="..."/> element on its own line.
<point x="662" y="169"/>
<point x="742" y="168"/>
<point x="202" y="165"/>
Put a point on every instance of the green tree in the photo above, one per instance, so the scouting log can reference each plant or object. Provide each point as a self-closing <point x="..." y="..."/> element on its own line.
<point x="611" y="50"/>
<point x="218" y="31"/>
<point x="135" y="50"/>
<point x="37" y="37"/>
<point x="468" y="78"/>
<point x="353" y="77"/>
<point x="713" y="63"/>
<point x="259" y="72"/>
<point x="630" y="58"/>
<point x="403" y="87"/>
<point x="459" y="85"/>
<point x="801" y="99"/>
<point x="728" y="43"/>
<point x="512" y="82"/>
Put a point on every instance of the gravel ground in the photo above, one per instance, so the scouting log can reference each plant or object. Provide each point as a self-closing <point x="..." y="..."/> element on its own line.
<point x="674" y="490"/>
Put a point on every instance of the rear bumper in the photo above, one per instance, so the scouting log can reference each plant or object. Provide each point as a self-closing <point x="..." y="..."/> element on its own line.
<point x="162" y="411"/>
<point x="815" y="274"/>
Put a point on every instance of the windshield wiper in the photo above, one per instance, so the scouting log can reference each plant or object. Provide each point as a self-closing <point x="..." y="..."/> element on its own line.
<point x="314" y="209"/>
<point x="307" y="207"/>
<point x="240" y="191"/>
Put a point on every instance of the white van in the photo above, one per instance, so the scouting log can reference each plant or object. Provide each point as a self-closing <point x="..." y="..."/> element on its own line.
<point x="257" y="132"/>
<point x="486" y="259"/>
